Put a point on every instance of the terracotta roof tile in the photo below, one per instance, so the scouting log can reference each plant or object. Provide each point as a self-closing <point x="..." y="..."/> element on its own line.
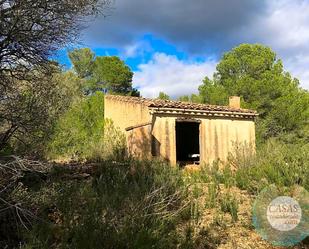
<point x="159" y="103"/>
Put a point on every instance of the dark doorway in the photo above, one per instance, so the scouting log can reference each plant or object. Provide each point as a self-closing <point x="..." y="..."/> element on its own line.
<point x="187" y="143"/>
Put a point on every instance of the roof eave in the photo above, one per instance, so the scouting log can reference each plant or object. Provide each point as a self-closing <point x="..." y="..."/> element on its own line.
<point x="175" y="111"/>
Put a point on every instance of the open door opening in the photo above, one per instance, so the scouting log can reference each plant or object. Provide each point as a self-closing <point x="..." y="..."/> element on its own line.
<point x="187" y="143"/>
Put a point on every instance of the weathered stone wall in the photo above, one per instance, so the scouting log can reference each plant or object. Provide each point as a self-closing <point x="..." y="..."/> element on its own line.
<point x="156" y="134"/>
<point x="164" y="138"/>
<point x="124" y="113"/>
<point x="218" y="137"/>
<point x="139" y="142"/>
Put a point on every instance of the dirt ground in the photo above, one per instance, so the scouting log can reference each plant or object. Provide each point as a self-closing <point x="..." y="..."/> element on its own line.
<point x="240" y="234"/>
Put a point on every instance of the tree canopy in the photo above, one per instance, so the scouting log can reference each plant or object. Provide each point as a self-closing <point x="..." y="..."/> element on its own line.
<point x="80" y="128"/>
<point x="254" y="73"/>
<point x="113" y="74"/>
<point x="31" y="32"/>
<point x="163" y="96"/>
<point x="82" y="60"/>
<point x="107" y="73"/>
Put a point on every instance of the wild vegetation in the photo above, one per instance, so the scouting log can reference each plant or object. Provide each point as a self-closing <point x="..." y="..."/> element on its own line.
<point x="31" y="32"/>
<point x="126" y="203"/>
<point x="65" y="178"/>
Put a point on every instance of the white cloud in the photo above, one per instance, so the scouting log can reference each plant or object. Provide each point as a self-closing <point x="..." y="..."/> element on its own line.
<point x="135" y="49"/>
<point x="169" y="74"/>
<point x="292" y="38"/>
<point x="131" y="50"/>
<point x="288" y="25"/>
<point x="285" y="29"/>
<point x="298" y="66"/>
<point x="215" y="27"/>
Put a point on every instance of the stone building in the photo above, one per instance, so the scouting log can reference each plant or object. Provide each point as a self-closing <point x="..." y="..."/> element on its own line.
<point x="181" y="132"/>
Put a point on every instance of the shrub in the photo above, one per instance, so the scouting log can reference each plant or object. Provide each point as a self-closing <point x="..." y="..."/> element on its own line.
<point x="80" y="127"/>
<point x="113" y="145"/>
<point x="128" y="204"/>
<point x="275" y="163"/>
<point x="212" y="194"/>
<point x="83" y="133"/>
<point x="229" y="204"/>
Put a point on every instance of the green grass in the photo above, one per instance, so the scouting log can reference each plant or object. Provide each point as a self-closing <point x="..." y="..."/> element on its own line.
<point x="128" y="204"/>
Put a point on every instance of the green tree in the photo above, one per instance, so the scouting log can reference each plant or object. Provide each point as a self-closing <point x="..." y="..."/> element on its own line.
<point x="213" y="93"/>
<point x="71" y="84"/>
<point x="82" y="60"/>
<point x="253" y="72"/>
<point x="184" y="98"/>
<point x="163" y="96"/>
<point x="29" y="110"/>
<point x="195" y="98"/>
<point x="112" y="74"/>
<point x="107" y="73"/>
<point x="80" y="128"/>
<point x="31" y="32"/>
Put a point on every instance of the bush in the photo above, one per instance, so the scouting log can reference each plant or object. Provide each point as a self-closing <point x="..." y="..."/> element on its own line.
<point x="275" y="163"/>
<point x="128" y="204"/>
<point x="79" y="128"/>
<point x="229" y="204"/>
<point x="83" y="133"/>
<point x="212" y="194"/>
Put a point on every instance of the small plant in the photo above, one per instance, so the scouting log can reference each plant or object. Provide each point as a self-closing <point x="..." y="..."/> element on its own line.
<point x="195" y="212"/>
<point x="212" y="194"/>
<point x="229" y="204"/>
<point x="203" y="175"/>
<point x="197" y="191"/>
<point x="219" y="220"/>
<point x="215" y="172"/>
<point x="228" y="178"/>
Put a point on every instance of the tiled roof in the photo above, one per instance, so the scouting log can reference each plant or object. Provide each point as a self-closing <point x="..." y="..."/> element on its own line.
<point x="166" y="104"/>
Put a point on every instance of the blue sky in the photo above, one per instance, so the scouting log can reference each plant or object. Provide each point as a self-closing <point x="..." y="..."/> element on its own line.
<point x="172" y="45"/>
<point x="136" y="54"/>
